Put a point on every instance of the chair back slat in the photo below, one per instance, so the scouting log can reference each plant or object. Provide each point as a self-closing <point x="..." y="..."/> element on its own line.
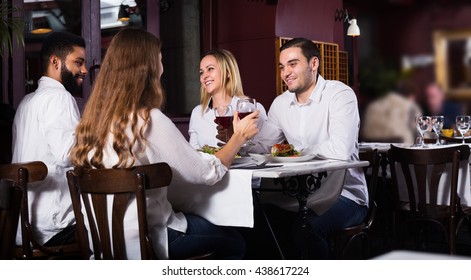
<point x="120" y="203"/>
<point x="436" y="175"/>
<point x="100" y="187"/>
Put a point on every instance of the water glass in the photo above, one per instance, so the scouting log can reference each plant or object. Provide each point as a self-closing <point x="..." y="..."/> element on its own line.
<point x="423" y="125"/>
<point x="437" y="126"/>
<point x="462" y="125"/>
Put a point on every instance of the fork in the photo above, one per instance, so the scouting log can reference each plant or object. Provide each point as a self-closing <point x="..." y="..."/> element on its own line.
<point x="264" y="162"/>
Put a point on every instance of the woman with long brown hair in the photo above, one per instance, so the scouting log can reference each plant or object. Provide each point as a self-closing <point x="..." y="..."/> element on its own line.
<point x="123" y="126"/>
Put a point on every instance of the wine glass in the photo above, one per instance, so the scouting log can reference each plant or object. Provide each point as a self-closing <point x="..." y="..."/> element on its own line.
<point x="245" y="106"/>
<point x="437" y="126"/>
<point x="423" y="125"/>
<point x="462" y="125"/>
<point x="224" y="115"/>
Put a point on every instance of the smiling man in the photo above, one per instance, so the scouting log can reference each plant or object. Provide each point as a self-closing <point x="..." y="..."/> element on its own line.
<point x="318" y="117"/>
<point x="44" y="130"/>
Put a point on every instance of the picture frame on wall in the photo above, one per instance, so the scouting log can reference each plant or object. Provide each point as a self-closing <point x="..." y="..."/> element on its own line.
<point x="453" y="62"/>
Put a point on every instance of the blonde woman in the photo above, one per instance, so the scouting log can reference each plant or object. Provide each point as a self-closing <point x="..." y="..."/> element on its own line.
<point x="221" y="85"/>
<point x="123" y="126"/>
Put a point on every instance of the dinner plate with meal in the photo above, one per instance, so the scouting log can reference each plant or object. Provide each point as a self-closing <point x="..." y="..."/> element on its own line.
<point x="282" y="153"/>
<point x="212" y="150"/>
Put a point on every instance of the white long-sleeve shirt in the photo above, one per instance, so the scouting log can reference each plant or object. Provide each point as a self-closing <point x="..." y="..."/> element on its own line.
<point x="44" y="130"/>
<point x="327" y="126"/>
<point x="165" y="143"/>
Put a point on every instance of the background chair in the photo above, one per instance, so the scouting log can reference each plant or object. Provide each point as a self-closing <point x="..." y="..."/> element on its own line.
<point x="342" y="240"/>
<point x="90" y="188"/>
<point x="424" y="168"/>
<point x="22" y="174"/>
<point x="10" y="205"/>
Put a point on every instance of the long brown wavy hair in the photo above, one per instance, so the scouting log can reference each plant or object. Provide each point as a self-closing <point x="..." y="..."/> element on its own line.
<point x="127" y="87"/>
<point x="231" y="80"/>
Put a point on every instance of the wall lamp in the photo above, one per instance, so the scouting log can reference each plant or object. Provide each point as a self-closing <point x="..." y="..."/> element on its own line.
<point x="342" y="15"/>
<point x="125" y="12"/>
<point x="40" y="25"/>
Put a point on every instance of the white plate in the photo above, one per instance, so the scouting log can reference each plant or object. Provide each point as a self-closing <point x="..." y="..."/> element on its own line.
<point x="262" y="158"/>
<point x="241" y="160"/>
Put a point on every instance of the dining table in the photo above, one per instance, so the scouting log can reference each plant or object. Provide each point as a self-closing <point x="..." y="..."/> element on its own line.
<point x="230" y="202"/>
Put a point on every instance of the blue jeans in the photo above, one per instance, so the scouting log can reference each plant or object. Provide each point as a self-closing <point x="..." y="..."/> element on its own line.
<point x="344" y="213"/>
<point x="202" y="237"/>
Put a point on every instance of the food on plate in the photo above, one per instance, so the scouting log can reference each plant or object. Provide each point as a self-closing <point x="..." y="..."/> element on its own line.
<point x="209" y="149"/>
<point x="284" y="150"/>
<point x="212" y="150"/>
<point x="449" y="132"/>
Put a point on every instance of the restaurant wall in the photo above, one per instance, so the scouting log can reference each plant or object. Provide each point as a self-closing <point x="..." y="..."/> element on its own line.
<point x="247" y="29"/>
<point x="396" y="31"/>
<point x="413" y="33"/>
<point x="310" y="19"/>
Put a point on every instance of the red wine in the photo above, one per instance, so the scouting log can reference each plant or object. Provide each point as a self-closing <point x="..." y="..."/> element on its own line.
<point x="243" y="115"/>
<point x="225" y="121"/>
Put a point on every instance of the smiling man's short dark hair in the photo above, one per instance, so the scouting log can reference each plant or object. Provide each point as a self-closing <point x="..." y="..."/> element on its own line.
<point x="61" y="44"/>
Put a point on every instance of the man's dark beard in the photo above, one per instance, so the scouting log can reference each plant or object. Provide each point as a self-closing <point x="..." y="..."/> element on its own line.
<point x="70" y="82"/>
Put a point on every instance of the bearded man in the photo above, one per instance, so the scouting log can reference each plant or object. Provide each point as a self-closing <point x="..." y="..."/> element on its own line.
<point x="44" y="130"/>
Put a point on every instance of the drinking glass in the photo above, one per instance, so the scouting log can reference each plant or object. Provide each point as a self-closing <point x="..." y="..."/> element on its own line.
<point x="423" y="125"/>
<point x="245" y="106"/>
<point x="224" y="115"/>
<point x="437" y="126"/>
<point x="462" y="125"/>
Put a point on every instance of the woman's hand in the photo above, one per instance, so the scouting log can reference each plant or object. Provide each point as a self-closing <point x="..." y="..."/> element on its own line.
<point x="246" y="127"/>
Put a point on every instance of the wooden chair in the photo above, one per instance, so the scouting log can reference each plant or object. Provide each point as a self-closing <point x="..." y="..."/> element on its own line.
<point x="10" y="205"/>
<point x="22" y="174"/>
<point x="91" y="187"/>
<point x="342" y="240"/>
<point x="424" y="168"/>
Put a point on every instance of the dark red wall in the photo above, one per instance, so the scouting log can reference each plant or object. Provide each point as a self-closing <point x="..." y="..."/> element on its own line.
<point x="247" y="29"/>
<point x="311" y="19"/>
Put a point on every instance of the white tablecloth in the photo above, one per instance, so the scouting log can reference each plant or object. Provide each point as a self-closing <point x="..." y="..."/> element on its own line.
<point x="230" y="201"/>
<point x="227" y="203"/>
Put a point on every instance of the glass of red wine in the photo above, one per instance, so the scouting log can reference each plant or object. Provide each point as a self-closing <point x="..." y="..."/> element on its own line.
<point x="224" y="115"/>
<point x="246" y="106"/>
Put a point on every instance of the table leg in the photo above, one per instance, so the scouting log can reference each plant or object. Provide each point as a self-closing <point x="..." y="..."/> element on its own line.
<point x="302" y="187"/>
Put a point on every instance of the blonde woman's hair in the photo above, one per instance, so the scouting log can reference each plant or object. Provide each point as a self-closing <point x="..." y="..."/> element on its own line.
<point x="230" y="79"/>
<point x="127" y="87"/>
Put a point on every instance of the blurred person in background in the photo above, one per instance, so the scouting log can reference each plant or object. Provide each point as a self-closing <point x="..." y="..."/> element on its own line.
<point x="391" y="118"/>
<point x="436" y="104"/>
